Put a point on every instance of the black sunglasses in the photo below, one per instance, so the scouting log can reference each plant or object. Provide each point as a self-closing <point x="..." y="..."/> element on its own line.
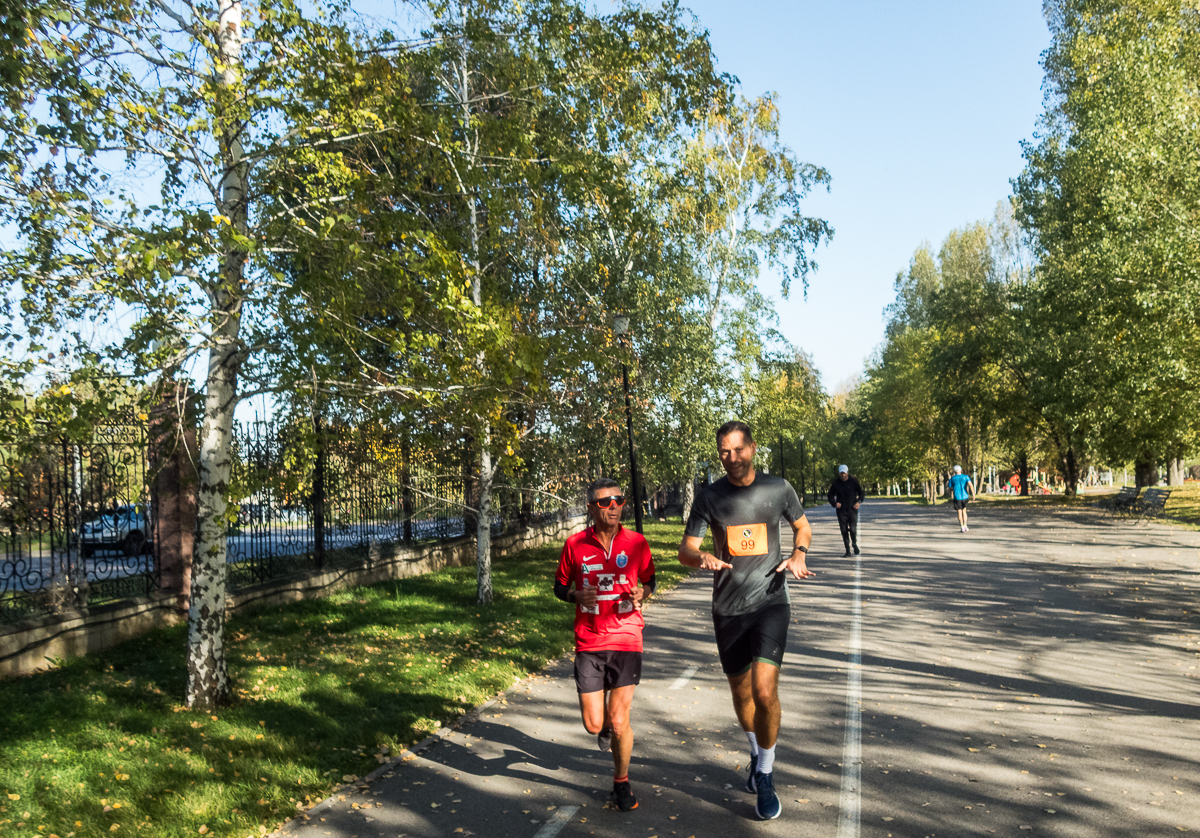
<point x="605" y="503"/>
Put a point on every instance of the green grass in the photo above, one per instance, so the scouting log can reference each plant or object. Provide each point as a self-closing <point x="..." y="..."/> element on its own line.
<point x="1184" y="505"/>
<point x="102" y="746"/>
<point x="1182" y="508"/>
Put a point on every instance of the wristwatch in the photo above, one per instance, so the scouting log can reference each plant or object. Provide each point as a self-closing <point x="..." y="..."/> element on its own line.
<point x="802" y="548"/>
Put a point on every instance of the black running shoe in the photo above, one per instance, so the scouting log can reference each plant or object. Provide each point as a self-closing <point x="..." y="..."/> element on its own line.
<point x="767" y="806"/>
<point x="846" y="555"/>
<point x="604" y="739"/>
<point x="622" y="796"/>
<point x="750" y="787"/>
<point x="856" y="550"/>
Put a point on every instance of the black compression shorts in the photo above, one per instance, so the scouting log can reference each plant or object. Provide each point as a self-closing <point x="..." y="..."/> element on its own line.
<point x="758" y="636"/>
<point x="607" y="670"/>
<point x="960" y="504"/>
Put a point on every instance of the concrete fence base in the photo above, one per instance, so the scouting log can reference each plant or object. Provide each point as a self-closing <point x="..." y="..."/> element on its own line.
<point x="36" y="644"/>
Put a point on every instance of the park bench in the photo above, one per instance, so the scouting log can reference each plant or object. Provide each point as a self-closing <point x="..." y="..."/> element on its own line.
<point x="1121" y="502"/>
<point x="1151" y="504"/>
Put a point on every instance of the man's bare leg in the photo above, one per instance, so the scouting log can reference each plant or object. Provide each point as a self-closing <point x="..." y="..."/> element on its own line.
<point x="756" y="701"/>
<point x="610" y="709"/>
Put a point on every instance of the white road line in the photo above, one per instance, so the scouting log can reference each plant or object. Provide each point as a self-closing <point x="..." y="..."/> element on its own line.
<point x="557" y="821"/>
<point x="850" y="802"/>
<point x="682" y="680"/>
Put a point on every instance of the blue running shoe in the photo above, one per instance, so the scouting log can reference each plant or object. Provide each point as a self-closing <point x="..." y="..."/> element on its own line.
<point x="750" y="787"/>
<point x="767" y="805"/>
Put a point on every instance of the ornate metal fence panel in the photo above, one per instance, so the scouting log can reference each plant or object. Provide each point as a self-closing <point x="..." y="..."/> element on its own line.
<point x="320" y="497"/>
<point x="76" y="522"/>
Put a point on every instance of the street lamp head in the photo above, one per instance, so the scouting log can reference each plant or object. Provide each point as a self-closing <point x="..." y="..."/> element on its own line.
<point x="621" y="325"/>
<point x="802" y="437"/>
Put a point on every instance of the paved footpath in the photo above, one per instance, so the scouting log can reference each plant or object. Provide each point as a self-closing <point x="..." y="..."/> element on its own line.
<point x="1035" y="676"/>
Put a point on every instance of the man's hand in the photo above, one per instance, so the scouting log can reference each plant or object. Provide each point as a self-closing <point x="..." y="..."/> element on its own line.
<point x="586" y="596"/>
<point x="837" y="506"/>
<point x="690" y="555"/>
<point x="710" y="562"/>
<point x="636" y="596"/>
<point x="857" y="504"/>
<point x="797" y="565"/>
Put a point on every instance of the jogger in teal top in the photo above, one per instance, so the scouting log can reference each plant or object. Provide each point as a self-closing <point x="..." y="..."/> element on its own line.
<point x="963" y="491"/>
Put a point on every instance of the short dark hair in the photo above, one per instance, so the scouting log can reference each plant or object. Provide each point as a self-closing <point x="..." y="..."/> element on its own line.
<point x="729" y="427"/>
<point x="601" y="483"/>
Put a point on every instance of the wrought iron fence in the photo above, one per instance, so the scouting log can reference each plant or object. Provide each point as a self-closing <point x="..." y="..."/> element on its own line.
<point x="76" y="521"/>
<point x="79" y="522"/>
<point x="320" y="497"/>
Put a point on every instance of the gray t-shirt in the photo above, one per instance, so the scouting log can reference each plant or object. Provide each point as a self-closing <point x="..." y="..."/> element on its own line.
<point x="745" y="524"/>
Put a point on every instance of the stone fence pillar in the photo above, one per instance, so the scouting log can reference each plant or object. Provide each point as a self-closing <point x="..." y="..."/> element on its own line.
<point x="173" y="464"/>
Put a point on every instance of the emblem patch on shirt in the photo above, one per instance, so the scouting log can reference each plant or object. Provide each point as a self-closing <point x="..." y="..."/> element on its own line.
<point x="605" y="582"/>
<point x="622" y="559"/>
<point x="746" y="540"/>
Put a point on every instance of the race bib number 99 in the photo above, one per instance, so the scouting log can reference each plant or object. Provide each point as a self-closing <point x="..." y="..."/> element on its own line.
<point x="746" y="540"/>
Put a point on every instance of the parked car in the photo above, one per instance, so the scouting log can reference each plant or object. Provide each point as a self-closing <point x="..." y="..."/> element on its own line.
<point x="125" y="528"/>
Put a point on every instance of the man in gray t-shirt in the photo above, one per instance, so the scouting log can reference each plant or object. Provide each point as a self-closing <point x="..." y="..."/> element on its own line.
<point x="751" y="607"/>
<point x="745" y="524"/>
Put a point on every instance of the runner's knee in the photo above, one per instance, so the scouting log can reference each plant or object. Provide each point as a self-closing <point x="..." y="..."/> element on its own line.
<point x="766" y="695"/>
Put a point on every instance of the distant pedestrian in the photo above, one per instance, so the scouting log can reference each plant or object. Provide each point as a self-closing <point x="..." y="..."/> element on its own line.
<point x="845" y="496"/>
<point x="963" y="492"/>
<point x="751" y="606"/>
<point x="612" y="573"/>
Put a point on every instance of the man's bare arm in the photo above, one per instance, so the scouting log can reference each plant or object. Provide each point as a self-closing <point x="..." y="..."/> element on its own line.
<point x="690" y="555"/>
<point x="797" y="563"/>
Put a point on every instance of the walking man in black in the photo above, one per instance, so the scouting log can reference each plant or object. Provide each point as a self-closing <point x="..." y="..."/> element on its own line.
<point x="845" y="495"/>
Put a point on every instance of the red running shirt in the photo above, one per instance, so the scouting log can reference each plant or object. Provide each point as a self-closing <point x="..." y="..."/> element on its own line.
<point x="614" y="625"/>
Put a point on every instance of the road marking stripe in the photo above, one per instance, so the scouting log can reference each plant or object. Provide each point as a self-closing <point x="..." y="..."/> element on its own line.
<point x="560" y="819"/>
<point x="682" y="680"/>
<point x="850" y="817"/>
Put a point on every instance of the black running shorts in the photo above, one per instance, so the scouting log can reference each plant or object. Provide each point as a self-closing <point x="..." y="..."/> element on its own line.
<point x="758" y="636"/>
<point x="606" y="670"/>
<point x="959" y="504"/>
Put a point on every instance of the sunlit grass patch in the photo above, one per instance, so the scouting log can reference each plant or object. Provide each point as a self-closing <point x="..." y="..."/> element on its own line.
<point x="326" y="690"/>
<point x="1184" y="505"/>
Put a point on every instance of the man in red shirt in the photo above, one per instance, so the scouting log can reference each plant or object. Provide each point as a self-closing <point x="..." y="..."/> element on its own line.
<point x="606" y="571"/>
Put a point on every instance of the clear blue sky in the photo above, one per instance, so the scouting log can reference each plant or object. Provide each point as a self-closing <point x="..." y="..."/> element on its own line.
<point x="916" y="108"/>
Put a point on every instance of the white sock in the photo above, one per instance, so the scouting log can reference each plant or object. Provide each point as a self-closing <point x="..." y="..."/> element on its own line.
<point x="766" y="759"/>
<point x="753" y="742"/>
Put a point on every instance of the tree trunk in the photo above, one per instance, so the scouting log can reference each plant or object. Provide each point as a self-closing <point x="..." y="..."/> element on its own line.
<point x="1070" y="467"/>
<point x="1145" y="471"/>
<point x="689" y="496"/>
<point x="1023" y="472"/>
<point x="1176" y="472"/>
<point x="207" y="675"/>
<point x="483" y="530"/>
<point x="208" y="684"/>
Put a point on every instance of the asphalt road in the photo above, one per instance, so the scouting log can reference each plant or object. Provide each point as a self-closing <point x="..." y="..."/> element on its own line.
<point x="1036" y="676"/>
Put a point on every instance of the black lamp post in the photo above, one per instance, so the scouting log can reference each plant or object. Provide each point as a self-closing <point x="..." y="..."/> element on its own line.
<point x="801" y="468"/>
<point x="621" y="330"/>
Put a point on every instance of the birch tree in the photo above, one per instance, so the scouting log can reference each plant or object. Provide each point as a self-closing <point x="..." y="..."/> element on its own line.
<point x="134" y="186"/>
<point x="747" y="195"/>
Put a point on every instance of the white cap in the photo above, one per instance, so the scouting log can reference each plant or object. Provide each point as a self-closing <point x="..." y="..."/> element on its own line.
<point x="958" y="469"/>
<point x="843" y="468"/>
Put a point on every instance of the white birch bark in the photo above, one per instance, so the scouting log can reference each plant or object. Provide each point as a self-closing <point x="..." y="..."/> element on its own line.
<point x="487" y="465"/>
<point x="208" y="684"/>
